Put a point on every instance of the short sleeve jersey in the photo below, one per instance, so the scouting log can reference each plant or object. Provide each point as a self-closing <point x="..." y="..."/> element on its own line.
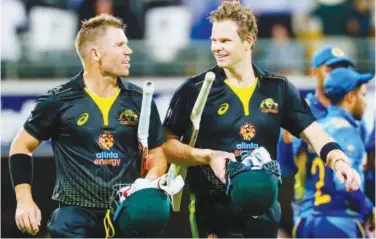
<point x="225" y="126"/>
<point x="94" y="150"/>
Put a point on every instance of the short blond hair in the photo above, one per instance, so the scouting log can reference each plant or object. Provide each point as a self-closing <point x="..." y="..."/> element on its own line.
<point x="241" y="15"/>
<point x="94" y="27"/>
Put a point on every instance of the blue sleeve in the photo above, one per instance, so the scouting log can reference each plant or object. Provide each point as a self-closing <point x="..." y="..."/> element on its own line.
<point x="285" y="157"/>
<point x="363" y="131"/>
<point x="351" y="143"/>
<point x="370" y="146"/>
<point x="359" y="202"/>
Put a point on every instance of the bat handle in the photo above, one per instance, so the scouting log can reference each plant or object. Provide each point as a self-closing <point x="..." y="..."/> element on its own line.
<point x="144" y="153"/>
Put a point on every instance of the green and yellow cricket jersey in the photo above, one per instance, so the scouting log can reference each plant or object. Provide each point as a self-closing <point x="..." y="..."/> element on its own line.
<point x="236" y="119"/>
<point x="94" y="139"/>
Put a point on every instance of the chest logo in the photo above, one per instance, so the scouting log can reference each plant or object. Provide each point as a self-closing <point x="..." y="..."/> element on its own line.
<point x="128" y="117"/>
<point x="247" y="131"/>
<point x="269" y="106"/>
<point x="223" y="108"/>
<point x="106" y="140"/>
<point x="82" y="119"/>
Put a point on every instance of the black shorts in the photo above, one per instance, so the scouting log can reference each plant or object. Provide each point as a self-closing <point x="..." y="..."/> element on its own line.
<point x="213" y="216"/>
<point x="74" y="221"/>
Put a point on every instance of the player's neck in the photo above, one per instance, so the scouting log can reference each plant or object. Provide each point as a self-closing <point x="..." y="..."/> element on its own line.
<point x="241" y="75"/>
<point x="100" y="85"/>
<point x="319" y="93"/>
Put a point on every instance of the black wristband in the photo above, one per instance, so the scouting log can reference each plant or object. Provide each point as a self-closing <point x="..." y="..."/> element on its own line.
<point x="20" y="169"/>
<point x="327" y="148"/>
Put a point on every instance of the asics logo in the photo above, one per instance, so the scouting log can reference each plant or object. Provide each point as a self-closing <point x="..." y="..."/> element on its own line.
<point x="82" y="119"/>
<point x="223" y="108"/>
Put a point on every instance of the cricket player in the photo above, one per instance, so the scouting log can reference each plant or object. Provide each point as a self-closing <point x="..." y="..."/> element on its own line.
<point x="369" y="171"/>
<point x="327" y="209"/>
<point x="92" y="121"/>
<point x="244" y="112"/>
<point x="324" y="61"/>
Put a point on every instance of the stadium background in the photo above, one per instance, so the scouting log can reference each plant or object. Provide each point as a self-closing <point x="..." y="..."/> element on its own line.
<point x="170" y="42"/>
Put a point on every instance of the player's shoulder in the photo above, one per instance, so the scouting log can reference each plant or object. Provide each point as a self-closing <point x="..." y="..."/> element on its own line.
<point x="67" y="88"/>
<point x="131" y="87"/>
<point x="337" y="123"/>
<point x="340" y="129"/>
<point x="268" y="75"/>
<point x="193" y="84"/>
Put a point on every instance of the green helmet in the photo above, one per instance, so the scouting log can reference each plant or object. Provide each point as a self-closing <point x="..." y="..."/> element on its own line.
<point x="254" y="191"/>
<point x="145" y="213"/>
<point x="253" y="183"/>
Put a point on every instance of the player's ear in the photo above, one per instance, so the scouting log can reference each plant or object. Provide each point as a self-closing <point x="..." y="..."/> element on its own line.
<point x="350" y="97"/>
<point x="248" y="43"/>
<point x="94" y="53"/>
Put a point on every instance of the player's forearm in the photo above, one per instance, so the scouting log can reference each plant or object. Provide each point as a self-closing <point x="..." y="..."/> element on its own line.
<point x="23" y="192"/>
<point x="318" y="138"/>
<point x="183" y="154"/>
<point x="156" y="163"/>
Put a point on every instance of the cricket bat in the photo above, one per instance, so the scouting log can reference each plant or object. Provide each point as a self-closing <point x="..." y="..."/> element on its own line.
<point x="144" y="122"/>
<point x="195" y="117"/>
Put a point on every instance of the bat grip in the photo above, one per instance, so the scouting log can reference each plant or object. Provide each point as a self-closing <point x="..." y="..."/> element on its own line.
<point x="144" y="153"/>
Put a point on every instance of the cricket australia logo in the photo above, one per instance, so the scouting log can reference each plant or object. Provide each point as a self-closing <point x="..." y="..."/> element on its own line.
<point x="128" y="117"/>
<point x="269" y="106"/>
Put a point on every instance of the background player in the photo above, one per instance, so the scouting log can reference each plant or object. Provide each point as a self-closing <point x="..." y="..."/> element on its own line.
<point x="326" y="204"/>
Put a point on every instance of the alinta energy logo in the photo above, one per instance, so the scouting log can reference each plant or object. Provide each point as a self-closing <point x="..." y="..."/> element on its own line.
<point x="247" y="133"/>
<point x="107" y="157"/>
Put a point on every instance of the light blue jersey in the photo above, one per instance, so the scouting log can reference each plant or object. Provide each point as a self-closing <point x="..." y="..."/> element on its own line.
<point x="325" y="199"/>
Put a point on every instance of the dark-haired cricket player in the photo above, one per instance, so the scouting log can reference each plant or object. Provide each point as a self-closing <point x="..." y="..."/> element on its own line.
<point x="245" y="110"/>
<point x="92" y="121"/>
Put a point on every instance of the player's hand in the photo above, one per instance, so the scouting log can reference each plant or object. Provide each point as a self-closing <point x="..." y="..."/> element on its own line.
<point x="28" y="216"/>
<point x="344" y="173"/>
<point x="218" y="161"/>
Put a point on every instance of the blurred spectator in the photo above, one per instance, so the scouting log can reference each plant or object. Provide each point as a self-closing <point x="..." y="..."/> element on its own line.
<point x="269" y="13"/>
<point x="334" y="16"/>
<point x="131" y="11"/>
<point x="201" y="26"/>
<point x="283" y="55"/>
<point x="13" y="15"/>
<point x="104" y="6"/>
<point x="359" y="25"/>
